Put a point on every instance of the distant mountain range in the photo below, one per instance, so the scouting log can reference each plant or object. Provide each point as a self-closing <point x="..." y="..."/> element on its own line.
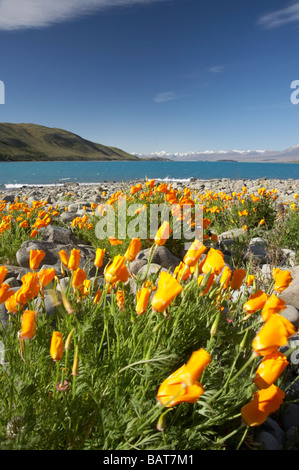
<point x="32" y="142"/>
<point x="286" y="156"/>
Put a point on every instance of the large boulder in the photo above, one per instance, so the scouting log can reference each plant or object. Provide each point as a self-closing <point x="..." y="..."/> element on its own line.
<point x="52" y="254"/>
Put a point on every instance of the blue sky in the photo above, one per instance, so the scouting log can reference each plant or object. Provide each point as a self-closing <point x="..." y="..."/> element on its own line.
<point x="153" y="75"/>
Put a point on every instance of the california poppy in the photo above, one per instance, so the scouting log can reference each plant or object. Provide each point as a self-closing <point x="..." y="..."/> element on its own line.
<point x="194" y="253"/>
<point x="214" y="262"/>
<point x="255" y="302"/>
<point x="46" y="276"/>
<point x="117" y="270"/>
<point x="64" y="257"/>
<point x="36" y="256"/>
<point x="74" y="260"/>
<point x="56" y="348"/>
<point x="3" y="272"/>
<point x="263" y="403"/>
<point x="100" y="253"/>
<point x="142" y="297"/>
<point x="237" y="279"/>
<point x="163" y="233"/>
<point x="133" y="249"/>
<point x="28" y="324"/>
<point x="273" y="334"/>
<point x="270" y="369"/>
<point x="183" y="385"/>
<point x="225" y="277"/>
<point x="168" y="289"/>
<point x="273" y="305"/>
<point x="282" y="279"/>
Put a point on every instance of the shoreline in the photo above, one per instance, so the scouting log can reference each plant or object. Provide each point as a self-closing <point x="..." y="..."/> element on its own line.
<point x="93" y="192"/>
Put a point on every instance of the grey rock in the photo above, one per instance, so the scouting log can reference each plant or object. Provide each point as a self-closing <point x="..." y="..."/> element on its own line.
<point x="67" y="217"/>
<point x="13" y="282"/>
<point x="271" y="426"/>
<point x="162" y="256"/>
<point x="137" y="264"/>
<point x="230" y="234"/>
<point x="267" y="441"/>
<point x="52" y="254"/>
<point x="290" y="416"/>
<point x="292" y="437"/>
<point x="292" y="314"/>
<point x="61" y="235"/>
<point x="291" y="294"/>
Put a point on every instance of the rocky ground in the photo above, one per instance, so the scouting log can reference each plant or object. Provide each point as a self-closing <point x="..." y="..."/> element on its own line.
<point x="280" y="431"/>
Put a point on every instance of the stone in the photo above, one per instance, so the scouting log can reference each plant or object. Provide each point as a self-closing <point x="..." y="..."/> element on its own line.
<point x="267" y="441"/>
<point x="52" y="254"/>
<point x="291" y="294"/>
<point x="230" y="234"/>
<point x="290" y="416"/>
<point x="56" y="234"/>
<point x="272" y="426"/>
<point x="292" y="314"/>
<point x="163" y="256"/>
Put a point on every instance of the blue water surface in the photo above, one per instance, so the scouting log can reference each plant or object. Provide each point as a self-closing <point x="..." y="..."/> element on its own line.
<point x="42" y="173"/>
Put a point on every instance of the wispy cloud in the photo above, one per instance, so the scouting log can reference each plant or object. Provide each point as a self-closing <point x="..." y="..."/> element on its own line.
<point x="27" y="14"/>
<point x="216" y="69"/>
<point x="165" y="96"/>
<point x="284" y="16"/>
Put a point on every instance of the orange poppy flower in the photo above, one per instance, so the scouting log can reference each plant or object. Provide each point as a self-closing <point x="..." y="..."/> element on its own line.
<point x="46" y="276"/>
<point x="250" y="279"/>
<point x="263" y="403"/>
<point x="30" y="288"/>
<point x="3" y="272"/>
<point x="36" y="256"/>
<point x="194" y="253"/>
<point x="133" y="249"/>
<point x="5" y="292"/>
<point x="79" y="277"/>
<point x="74" y="260"/>
<point x="33" y="233"/>
<point x="98" y="296"/>
<point x="142" y="300"/>
<point x="183" y="385"/>
<point x="64" y="257"/>
<point x="168" y="289"/>
<point x="100" y="253"/>
<point x="114" y="241"/>
<point x="237" y="279"/>
<point x="273" y="334"/>
<point x="225" y="277"/>
<point x="255" y="302"/>
<point x="181" y="272"/>
<point x="273" y="305"/>
<point x="120" y="300"/>
<point x="282" y="279"/>
<point x="56" y="347"/>
<point x="28" y="324"/>
<point x="209" y="282"/>
<point x="11" y="304"/>
<point x="214" y="262"/>
<point x="117" y="270"/>
<point x="163" y="233"/>
<point x="270" y="369"/>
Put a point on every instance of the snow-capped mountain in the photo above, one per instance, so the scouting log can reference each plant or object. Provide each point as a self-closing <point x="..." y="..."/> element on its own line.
<point x="289" y="155"/>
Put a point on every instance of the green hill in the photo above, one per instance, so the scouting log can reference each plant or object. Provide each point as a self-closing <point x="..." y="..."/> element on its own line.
<point x="31" y="142"/>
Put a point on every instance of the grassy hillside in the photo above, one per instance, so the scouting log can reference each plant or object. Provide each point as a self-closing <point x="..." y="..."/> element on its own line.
<point x="31" y="142"/>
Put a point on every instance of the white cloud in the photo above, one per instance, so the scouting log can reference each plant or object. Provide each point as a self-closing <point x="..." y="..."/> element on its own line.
<point x="165" y="96"/>
<point x="216" y="69"/>
<point x="26" y="14"/>
<point x="289" y="14"/>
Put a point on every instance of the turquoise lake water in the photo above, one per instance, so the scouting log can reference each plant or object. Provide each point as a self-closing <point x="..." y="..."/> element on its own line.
<point x="43" y="173"/>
